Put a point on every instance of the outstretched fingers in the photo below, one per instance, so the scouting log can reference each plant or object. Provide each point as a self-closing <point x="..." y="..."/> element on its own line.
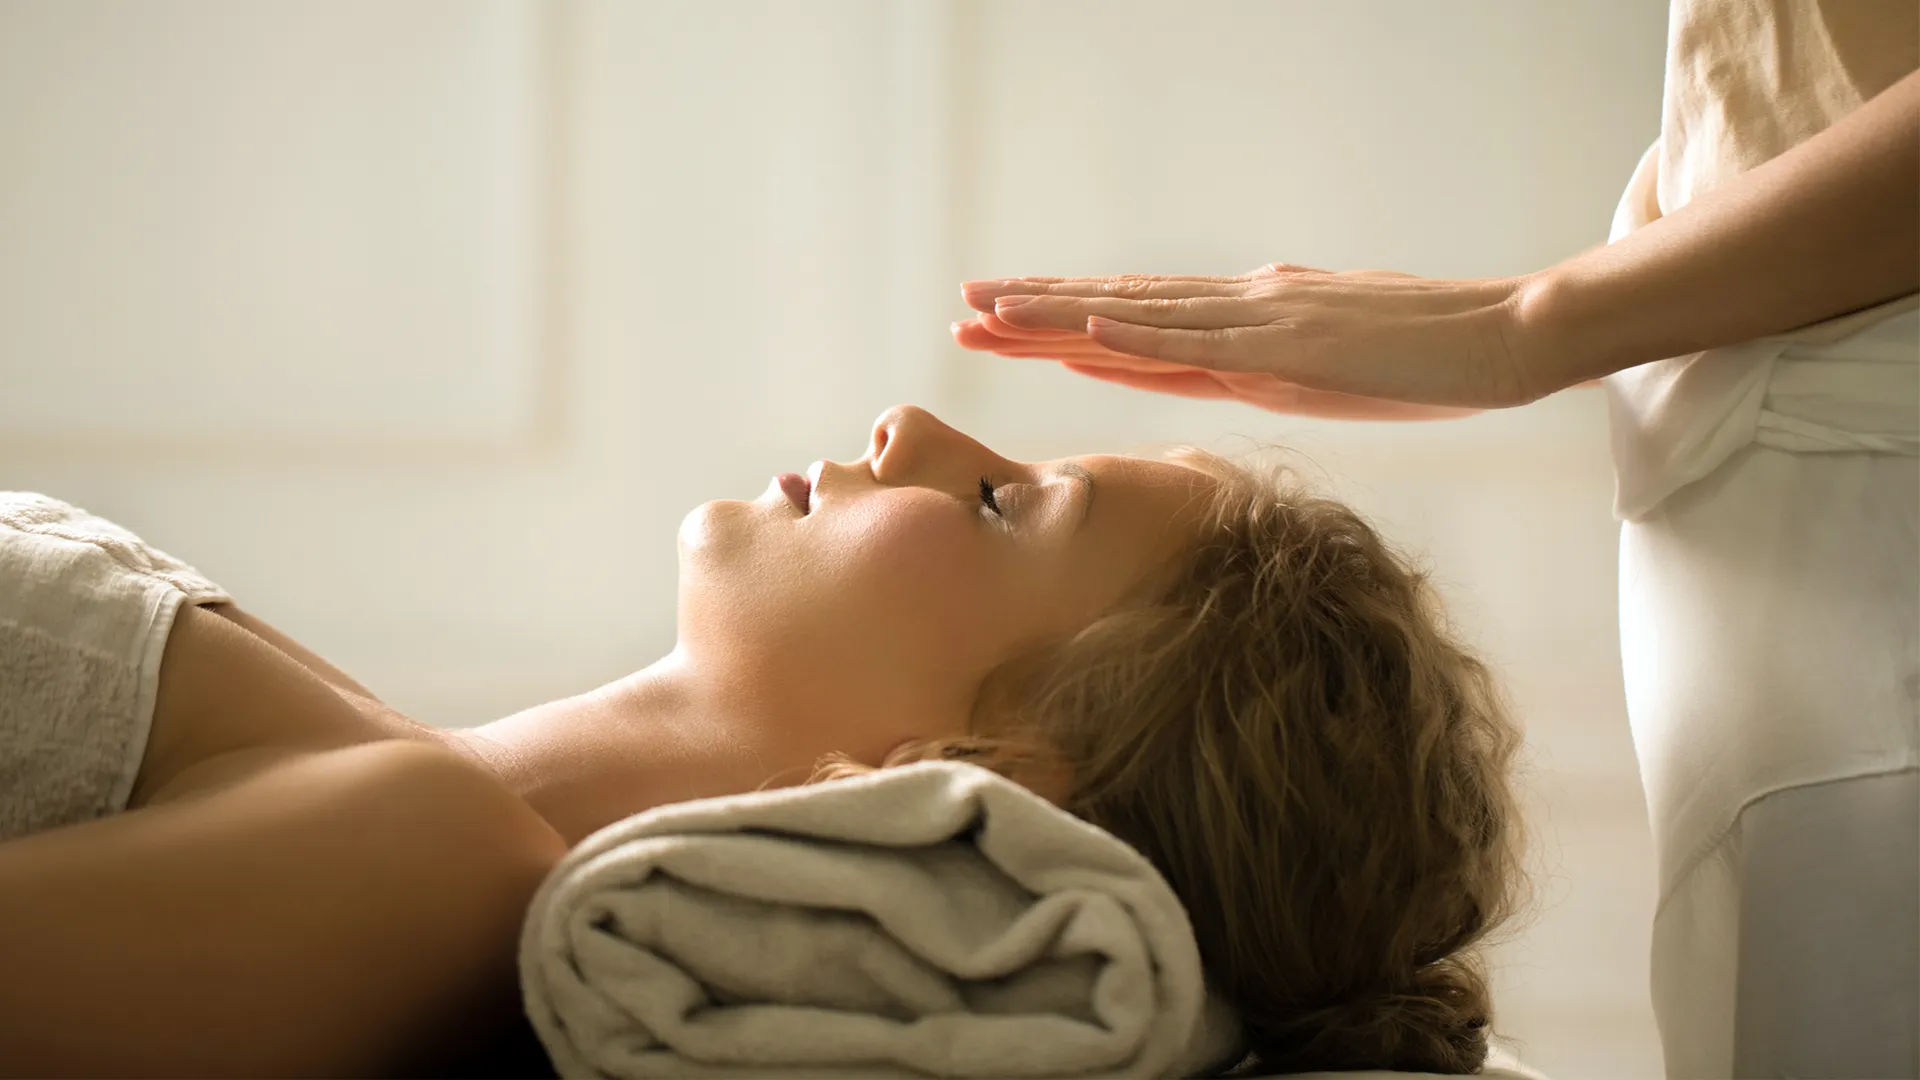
<point x="999" y="327"/>
<point x="1222" y="349"/>
<point x="981" y="295"/>
<point x="983" y="335"/>
<point x="1190" y="313"/>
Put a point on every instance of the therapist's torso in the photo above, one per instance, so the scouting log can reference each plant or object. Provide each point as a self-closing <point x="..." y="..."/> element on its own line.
<point x="1746" y="81"/>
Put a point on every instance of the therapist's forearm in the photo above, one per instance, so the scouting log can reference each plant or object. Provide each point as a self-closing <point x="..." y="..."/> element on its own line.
<point x="1829" y="227"/>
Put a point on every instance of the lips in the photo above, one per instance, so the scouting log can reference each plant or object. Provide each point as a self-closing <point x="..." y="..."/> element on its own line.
<point x="797" y="490"/>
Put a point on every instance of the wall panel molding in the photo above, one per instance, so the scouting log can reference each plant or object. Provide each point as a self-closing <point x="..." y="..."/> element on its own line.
<point x="926" y="79"/>
<point x="304" y="230"/>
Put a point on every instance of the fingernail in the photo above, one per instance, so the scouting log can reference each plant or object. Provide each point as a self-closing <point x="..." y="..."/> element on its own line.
<point x="1011" y="301"/>
<point x="1095" y="322"/>
<point x="984" y="286"/>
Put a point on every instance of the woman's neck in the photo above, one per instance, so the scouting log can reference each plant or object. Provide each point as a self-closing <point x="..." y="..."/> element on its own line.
<point x="658" y="736"/>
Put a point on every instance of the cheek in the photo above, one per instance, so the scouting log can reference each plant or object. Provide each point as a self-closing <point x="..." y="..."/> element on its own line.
<point x="910" y="574"/>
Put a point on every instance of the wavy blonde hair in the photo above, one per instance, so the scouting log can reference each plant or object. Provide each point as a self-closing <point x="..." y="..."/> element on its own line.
<point x="1322" y="771"/>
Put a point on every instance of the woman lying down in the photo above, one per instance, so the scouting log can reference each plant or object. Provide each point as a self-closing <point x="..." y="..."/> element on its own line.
<point x="219" y="854"/>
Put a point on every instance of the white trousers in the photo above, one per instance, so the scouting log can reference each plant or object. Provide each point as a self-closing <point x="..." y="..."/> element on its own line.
<point x="1770" y="631"/>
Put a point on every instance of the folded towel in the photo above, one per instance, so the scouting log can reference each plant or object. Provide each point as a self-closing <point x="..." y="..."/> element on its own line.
<point x="930" y="919"/>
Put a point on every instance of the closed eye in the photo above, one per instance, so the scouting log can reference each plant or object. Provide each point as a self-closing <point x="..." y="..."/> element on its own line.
<point x="986" y="495"/>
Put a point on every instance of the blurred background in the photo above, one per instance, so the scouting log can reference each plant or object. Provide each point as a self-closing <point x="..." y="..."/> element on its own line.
<point x="421" y="325"/>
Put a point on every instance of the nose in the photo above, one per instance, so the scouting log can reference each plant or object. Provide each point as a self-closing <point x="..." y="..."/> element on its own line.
<point x="908" y="443"/>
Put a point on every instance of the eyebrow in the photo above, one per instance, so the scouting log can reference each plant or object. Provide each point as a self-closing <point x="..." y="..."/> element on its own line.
<point x="1085" y="478"/>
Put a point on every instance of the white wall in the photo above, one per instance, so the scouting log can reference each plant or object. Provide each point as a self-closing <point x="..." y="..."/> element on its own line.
<point x="421" y="325"/>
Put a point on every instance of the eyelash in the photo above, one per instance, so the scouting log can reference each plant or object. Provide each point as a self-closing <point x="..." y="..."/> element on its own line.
<point x="986" y="496"/>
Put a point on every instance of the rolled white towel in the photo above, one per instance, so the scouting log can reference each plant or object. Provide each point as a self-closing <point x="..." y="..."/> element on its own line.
<point x="931" y="919"/>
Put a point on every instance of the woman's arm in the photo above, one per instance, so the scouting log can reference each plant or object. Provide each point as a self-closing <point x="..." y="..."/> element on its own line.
<point x="297" y="652"/>
<point x="354" y="912"/>
<point x="1829" y="227"/>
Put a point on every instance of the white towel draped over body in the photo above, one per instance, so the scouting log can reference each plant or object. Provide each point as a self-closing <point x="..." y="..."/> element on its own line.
<point x="932" y="919"/>
<point x="85" y="611"/>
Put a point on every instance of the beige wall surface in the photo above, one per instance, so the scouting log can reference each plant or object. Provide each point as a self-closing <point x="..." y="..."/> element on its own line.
<point x="420" y="326"/>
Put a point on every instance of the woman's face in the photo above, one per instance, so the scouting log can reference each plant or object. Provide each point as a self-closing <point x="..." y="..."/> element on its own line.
<point x="863" y="604"/>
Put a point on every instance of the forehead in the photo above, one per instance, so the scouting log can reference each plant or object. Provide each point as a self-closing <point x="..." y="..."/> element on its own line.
<point x="1143" y="498"/>
<point x="1145" y="477"/>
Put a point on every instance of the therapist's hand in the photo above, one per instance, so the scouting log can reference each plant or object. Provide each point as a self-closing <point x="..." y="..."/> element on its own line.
<point x="1076" y="352"/>
<point x="1280" y="337"/>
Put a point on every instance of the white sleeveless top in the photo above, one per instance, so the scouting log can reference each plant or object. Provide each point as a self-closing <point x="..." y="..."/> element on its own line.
<point x="1747" y="80"/>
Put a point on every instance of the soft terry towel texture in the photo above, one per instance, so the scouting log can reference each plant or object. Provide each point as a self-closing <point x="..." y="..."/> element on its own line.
<point x="933" y="919"/>
<point x="85" y="610"/>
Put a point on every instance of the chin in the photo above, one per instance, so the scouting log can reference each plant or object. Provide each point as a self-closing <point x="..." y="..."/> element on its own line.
<point x="714" y="527"/>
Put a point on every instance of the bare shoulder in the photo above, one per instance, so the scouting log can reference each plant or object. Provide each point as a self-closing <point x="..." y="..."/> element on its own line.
<point x="345" y="912"/>
<point x="223" y="688"/>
